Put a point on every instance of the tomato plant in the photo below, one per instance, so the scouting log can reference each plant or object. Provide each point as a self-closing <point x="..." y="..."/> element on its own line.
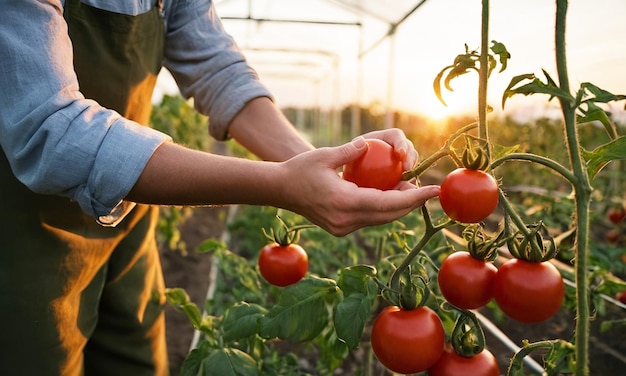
<point x="465" y="281"/>
<point x="283" y="265"/>
<point x="468" y="196"/>
<point x="378" y="167"/>
<point x="407" y="341"/>
<point x="451" y="363"/>
<point x="528" y="292"/>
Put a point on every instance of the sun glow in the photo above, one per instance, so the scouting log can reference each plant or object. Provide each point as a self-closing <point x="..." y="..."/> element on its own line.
<point x="461" y="101"/>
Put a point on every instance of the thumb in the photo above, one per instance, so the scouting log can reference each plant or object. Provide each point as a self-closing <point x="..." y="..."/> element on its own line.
<point x="350" y="151"/>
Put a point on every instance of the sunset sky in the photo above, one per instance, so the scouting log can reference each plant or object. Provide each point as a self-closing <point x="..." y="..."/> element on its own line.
<point x="308" y="64"/>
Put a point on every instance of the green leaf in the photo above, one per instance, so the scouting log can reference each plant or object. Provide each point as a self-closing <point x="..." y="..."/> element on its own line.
<point x="226" y="362"/>
<point x="180" y="300"/>
<point x="241" y="321"/>
<point x="360" y="291"/>
<point x="301" y="312"/>
<point x="351" y="315"/>
<point x="504" y="55"/>
<point x="354" y="279"/>
<point x="211" y="246"/>
<point x="499" y="151"/>
<point x="536" y="86"/>
<point x="600" y="95"/>
<point x="595" y="113"/>
<point x="437" y="84"/>
<point x="603" y="154"/>
<point x="235" y="265"/>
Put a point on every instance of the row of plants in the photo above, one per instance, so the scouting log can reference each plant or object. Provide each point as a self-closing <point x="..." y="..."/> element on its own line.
<point x="404" y="295"/>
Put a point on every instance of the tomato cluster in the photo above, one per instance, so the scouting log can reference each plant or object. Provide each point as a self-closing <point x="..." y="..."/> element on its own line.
<point x="378" y="167"/>
<point x="526" y="291"/>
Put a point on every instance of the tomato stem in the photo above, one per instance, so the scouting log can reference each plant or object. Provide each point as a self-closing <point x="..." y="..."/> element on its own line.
<point x="483" y="75"/>
<point x="516" y="364"/>
<point x="547" y="162"/>
<point x="444" y="151"/>
<point x="428" y="234"/>
<point x="583" y="189"/>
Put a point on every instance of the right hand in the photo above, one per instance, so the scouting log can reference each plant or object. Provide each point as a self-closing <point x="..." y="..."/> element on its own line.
<point x="317" y="192"/>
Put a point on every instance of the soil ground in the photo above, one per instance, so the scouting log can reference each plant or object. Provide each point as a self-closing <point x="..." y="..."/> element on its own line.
<point x="191" y="272"/>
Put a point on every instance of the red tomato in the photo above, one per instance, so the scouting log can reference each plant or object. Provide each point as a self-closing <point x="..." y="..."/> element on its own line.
<point x="468" y="196"/>
<point x="378" y="167"/>
<point x="452" y="364"/>
<point x="407" y="341"/>
<point x="612" y="236"/>
<point x="528" y="292"/>
<point x="465" y="281"/>
<point x="621" y="296"/>
<point x="616" y="215"/>
<point x="283" y="265"/>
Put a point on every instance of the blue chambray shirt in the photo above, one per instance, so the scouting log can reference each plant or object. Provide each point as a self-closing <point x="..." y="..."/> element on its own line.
<point x="60" y="143"/>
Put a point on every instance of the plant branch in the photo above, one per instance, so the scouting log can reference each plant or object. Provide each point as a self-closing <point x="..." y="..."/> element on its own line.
<point x="547" y="162"/>
<point x="483" y="75"/>
<point x="582" y="195"/>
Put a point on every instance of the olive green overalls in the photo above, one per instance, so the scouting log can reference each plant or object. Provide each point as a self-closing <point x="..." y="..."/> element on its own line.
<point x="76" y="297"/>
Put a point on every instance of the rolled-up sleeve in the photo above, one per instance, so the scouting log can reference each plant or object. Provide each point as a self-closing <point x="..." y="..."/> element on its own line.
<point x="207" y="64"/>
<point x="57" y="142"/>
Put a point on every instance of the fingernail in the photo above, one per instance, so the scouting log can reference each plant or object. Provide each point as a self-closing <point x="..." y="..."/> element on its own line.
<point x="359" y="142"/>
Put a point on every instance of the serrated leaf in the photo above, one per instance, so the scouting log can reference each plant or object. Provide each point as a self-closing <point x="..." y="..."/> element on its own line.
<point x="603" y="154"/>
<point x="353" y="279"/>
<point x="234" y="264"/>
<point x="437" y="84"/>
<point x="595" y="113"/>
<point x="536" y="86"/>
<point x="226" y="362"/>
<point x="601" y="95"/>
<point x="499" y="151"/>
<point x="241" y="321"/>
<point x="301" y="312"/>
<point x="350" y="317"/>
<point x="504" y="55"/>
<point x="180" y="300"/>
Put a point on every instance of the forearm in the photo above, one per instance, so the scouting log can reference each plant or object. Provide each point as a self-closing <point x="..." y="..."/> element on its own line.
<point x="176" y="175"/>
<point x="261" y="128"/>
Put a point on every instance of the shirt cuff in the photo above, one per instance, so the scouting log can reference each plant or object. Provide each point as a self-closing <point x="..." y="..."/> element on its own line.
<point x="123" y="155"/>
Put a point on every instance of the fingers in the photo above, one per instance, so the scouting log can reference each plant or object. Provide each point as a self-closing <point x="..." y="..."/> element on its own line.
<point x="370" y="207"/>
<point x="402" y="145"/>
<point x="347" y="152"/>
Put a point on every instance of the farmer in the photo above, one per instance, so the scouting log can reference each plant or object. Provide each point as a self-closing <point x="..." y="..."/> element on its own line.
<point x="81" y="290"/>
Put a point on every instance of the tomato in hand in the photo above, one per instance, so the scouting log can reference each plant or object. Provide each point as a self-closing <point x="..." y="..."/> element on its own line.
<point x="407" y="341"/>
<point x="528" y="292"/>
<point x="465" y="281"/>
<point x="452" y="364"/>
<point x="468" y="196"/>
<point x="378" y="167"/>
<point x="283" y="265"/>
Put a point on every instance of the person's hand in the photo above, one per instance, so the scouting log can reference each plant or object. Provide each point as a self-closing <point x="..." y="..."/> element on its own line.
<point x="316" y="191"/>
<point x="402" y="146"/>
